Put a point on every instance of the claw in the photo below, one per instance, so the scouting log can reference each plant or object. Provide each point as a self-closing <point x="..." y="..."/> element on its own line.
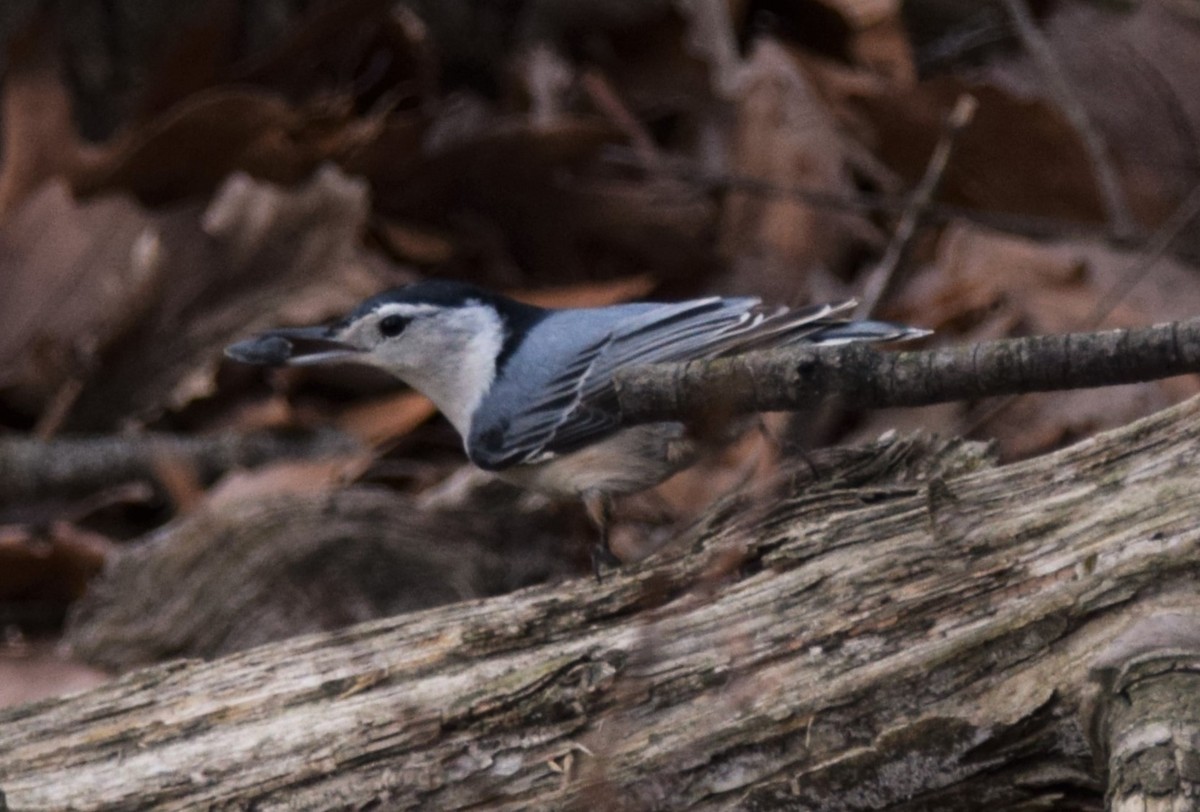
<point x="603" y="558"/>
<point x="599" y="510"/>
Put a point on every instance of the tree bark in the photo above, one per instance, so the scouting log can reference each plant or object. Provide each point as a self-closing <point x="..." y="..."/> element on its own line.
<point x="32" y="468"/>
<point x="800" y="377"/>
<point x="1146" y="722"/>
<point x="922" y="630"/>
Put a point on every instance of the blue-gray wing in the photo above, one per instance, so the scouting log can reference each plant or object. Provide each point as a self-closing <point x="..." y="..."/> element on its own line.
<point x="572" y="364"/>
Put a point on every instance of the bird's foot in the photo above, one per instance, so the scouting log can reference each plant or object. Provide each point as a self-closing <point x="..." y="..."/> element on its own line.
<point x="602" y="559"/>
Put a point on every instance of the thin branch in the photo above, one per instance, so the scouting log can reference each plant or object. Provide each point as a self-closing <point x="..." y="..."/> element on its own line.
<point x="1026" y="225"/>
<point x="1155" y="249"/>
<point x="1115" y="206"/>
<point x="606" y="99"/>
<point x="32" y="468"/>
<point x="1162" y="240"/>
<point x="885" y="276"/>
<point x="801" y="377"/>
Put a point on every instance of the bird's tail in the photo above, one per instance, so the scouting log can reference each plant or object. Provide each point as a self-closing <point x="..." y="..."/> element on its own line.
<point x="815" y="324"/>
<point x="849" y="331"/>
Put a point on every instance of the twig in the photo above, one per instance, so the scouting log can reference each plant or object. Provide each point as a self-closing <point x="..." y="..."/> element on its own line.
<point x="800" y="377"/>
<point x="602" y="94"/>
<point x="1115" y="206"/>
<point x="1025" y="225"/>
<point x="885" y="276"/>
<point x="31" y="468"/>
<point x="1164" y="237"/>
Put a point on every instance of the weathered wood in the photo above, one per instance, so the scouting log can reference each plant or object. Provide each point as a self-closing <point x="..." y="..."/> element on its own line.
<point x="920" y="643"/>
<point x="1146" y="725"/>
<point x="254" y="569"/>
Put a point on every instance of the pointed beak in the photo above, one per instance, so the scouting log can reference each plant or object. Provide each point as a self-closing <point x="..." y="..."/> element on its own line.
<point x="292" y="345"/>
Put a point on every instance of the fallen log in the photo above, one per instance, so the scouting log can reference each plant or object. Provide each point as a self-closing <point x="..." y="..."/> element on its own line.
<point x="915" y="629"/>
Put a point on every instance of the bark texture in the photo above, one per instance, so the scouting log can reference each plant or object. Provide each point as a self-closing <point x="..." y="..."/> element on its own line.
<point x="801" y="377"/>
<point x="1147" y="720"/>
<point x="919" y="631"/>
<point x="304" y="562"/>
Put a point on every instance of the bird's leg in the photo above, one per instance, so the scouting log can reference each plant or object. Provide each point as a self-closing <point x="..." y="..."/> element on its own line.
<point x="794" y="448"/>
<point x="599" y="509"/>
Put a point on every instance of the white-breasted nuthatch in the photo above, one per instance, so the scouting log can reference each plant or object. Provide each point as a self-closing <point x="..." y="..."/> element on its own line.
<point x="531" y="389"/>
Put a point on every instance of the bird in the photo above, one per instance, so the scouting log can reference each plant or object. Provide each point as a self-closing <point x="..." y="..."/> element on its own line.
<point x="531" y="390"/>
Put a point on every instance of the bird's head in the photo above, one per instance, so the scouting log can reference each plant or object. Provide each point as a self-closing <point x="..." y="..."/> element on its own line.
<point x="443" y="338"/>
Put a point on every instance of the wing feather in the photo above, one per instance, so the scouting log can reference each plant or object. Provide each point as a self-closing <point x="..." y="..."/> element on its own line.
<point x="578" y="405"/>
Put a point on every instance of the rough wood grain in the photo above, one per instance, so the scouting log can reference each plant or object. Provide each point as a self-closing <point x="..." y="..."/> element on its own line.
<point x="1146" y="722"/>
<point x="262" y="567"/>
<point x="924" y="643"/>
<point x="800" y="377"/>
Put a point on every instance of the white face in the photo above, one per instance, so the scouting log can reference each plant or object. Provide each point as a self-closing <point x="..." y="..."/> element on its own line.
<point x="447" y="353"/>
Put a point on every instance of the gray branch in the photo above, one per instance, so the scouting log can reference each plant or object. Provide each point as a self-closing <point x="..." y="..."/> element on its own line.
<point x="32" y="468"/>
<point x="801" y="377"/>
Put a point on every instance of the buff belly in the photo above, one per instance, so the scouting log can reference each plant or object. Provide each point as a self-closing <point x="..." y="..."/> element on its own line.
<point x="631" y="460"/>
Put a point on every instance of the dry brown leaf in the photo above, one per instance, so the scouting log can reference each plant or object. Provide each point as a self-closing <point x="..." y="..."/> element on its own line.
<point x="720" y="472"/>
<point x="53" y="565"/>
<point x="272" y="412"/>
<point x="663" y="57"/>
<point x="76" y="278"/>
<point x="596" y="294"/>
<point x="1045" y="286"/>
<point x="30" y="672"/>
<point x="408" y="242"/>
<point x="39" y="140"/>
<point x="521" y="197"/>
<point x="259" y="256"/>
<point x="709" y="37"/>
<point x="784" y="135"/>
<point x="193" y="59"/>
<point x="190" y="149"/>
<point x="885" y="50"/>
<point x="985" y="285"/>
<point x="281" y="115"/>
<point x="610" y="104"/>
<point x="152" y="299"/>
<point x="863" y="14"/>
<point x="387" y="418"/>
<point x="32" y="517"/>
<point x="1017" y="155"/>
<point x="483" y="149"/>
<point x="180" y="480"/>
<point x="376" y="48"/>
<point x="877" y="40"/>
<point x="1135" y="71"/>
<point x="362" y="45"/>
<point x="294" y="476"/>
<point x="988" y="274"/>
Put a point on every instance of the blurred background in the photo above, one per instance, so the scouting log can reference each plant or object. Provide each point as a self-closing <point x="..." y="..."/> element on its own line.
<point x="175" y="176"/>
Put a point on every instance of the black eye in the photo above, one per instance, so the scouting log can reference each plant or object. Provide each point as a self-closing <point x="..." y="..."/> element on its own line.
<point x="392" y="326"/>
